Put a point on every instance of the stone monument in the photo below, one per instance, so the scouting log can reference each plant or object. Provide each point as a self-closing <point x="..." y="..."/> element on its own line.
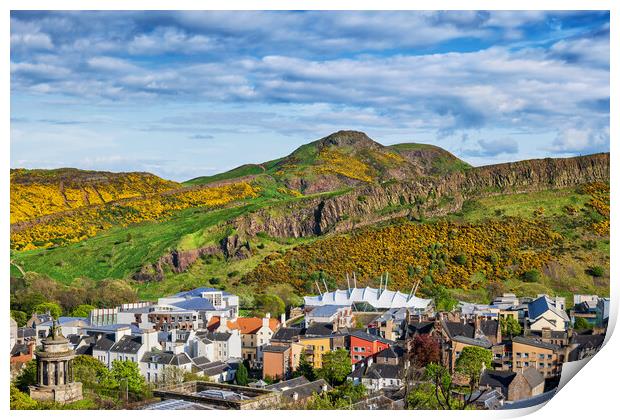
<point x="55" y="370"/>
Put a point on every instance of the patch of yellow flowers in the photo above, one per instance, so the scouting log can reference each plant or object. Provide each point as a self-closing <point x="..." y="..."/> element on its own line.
<point x="86" y="222"/>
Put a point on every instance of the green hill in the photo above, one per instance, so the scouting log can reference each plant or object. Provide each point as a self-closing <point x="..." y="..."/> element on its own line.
<point x="226" y="229"/>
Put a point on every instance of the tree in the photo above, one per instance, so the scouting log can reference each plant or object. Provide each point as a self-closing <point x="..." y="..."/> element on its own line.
<point x="531" y="276"/>
<point x="21" y="400"/>
<point x="20" y="317"/>
<point x="53" y="308"/>
<point x="472" y="361"/>
<point x="171" y="375"/>
<point x="422" y="397"/>
<point x="441" y="381"/>
<point x="510" y="326"/>
<point x="287" y="293"/>
<point x="596" y="271"/>
<point x="91" y="372"/>
<point x="581" y="324"/>
<point x="82" y="311"/>
<point x="341" y="397"/>
<point x="460" y="259"/>
<point x="336" y="366"/>
<point x="270" y="304"/>
<point x="241" y="377"/>
<point x="305" y="368"/>
<point x="127" y="374"/>
<point x="27" y="376"/>
<point x="425" y="350"/>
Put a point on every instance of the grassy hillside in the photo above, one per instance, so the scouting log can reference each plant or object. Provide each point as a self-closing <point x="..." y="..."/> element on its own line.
<point x="434" y="160"/>
<point x="241" y="171"/>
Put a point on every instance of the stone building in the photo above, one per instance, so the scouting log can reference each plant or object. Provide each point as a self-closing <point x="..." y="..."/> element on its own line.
<point x="55" y="370"/>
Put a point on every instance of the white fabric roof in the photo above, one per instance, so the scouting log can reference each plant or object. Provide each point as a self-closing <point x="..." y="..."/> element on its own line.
<point x="380" y="299"/>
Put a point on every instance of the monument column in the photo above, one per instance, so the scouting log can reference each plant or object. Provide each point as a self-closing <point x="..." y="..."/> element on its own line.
<point x="54" y="370"/>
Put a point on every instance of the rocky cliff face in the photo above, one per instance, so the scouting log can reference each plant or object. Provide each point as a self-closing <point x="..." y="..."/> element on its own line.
<point x="424" y="197"/>
<point x="370" y="204"/>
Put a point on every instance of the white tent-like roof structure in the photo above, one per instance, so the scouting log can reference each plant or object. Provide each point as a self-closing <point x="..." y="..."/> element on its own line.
<point x="377" y="298"/>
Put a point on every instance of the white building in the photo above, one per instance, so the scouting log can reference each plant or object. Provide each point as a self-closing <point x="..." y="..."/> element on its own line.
<point x="369" y="298"/>
<point x="153" y="364"/>
<point x="545" y="313"/>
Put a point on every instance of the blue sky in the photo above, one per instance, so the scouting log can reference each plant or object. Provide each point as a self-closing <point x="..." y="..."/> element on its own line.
<point x="184" y="94"/>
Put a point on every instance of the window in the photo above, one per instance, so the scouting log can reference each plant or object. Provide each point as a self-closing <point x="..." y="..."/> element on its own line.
<point x="518" y="354"/>
<point x="541" y="365"/>
<point x="549" y="357"/>
<point x="526" y="355"/>
<point x="526" y="364"/>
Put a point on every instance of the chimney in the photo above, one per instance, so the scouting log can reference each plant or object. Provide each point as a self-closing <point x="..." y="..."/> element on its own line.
<point x="335" y="325"/>
<point x="546" y="333"/>
<point x="324" y="388"/>
<point x="266" y="321"/>
<point x="295" y="396"/>
<point x="283" y="320"/>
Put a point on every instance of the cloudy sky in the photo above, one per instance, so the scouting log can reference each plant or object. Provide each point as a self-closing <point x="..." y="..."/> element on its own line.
<point x="183" y="94"/>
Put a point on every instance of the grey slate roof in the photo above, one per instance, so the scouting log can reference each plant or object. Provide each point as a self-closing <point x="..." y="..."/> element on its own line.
<point x="201" y="361"/>
<point x="421" y="327"/>
<point x="390" y="353"/>
<point x="535" y="342"/>
<point x="383" y="371"/>
<point x="458" y="329"/>
<point x="287" y="334"/>
<point x="157" y="357"/>
<point x="300" y="386"/>
<point x="166" y="358"/>
<point x="103" y="344"/>
<point x="215" y="368"/>
<point x="127" y="344"/>
<point x="592" y="341"/>
<point x="291" y="383"/>
<point x="480" y="342"/>
<point x="497" y="379"/>
<point x="369" y="337"/>
<point x="319" y="329"/>
<point x="19" y="349"/>
<point x="489" y="327"/>
<point x="218" y="336"/>
<point x="25" y="332"/>
<point x="533" y="376"/>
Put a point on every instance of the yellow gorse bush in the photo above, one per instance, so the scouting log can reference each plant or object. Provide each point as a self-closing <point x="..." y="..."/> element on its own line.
<point x="342" y="164"/>
<point x="30" y="200"/>
<point x="86" y="222"/>
<point x="498" y="249"/>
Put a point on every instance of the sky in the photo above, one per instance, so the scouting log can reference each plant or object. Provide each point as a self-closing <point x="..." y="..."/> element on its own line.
<point x="186" y="94"/>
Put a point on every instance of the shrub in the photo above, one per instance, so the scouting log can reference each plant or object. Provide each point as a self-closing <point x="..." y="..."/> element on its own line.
<point x="214" y="280"/>
<point x="531" y="276"/>
<point x="596" y="271"/>
<point x="460" y="259"/>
